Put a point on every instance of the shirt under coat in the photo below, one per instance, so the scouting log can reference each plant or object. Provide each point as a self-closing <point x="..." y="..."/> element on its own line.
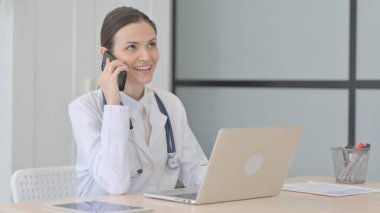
<point x="106" y="153"/>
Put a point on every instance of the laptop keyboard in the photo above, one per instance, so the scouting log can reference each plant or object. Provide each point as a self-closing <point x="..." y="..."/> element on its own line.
<point x="192" y="196"/>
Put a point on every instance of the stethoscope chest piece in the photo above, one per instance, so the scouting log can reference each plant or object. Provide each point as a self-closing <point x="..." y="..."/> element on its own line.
<point x="173" y="160"/>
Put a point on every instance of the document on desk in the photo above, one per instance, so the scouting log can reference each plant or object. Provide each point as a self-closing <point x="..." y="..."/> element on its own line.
<point x="327" y="189"/>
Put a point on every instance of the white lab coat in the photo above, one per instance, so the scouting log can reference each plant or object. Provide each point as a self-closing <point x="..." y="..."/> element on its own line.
<point x="106" y="155"/>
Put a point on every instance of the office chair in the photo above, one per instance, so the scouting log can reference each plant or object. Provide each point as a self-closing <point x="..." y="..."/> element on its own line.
<point x="43" y="183"/>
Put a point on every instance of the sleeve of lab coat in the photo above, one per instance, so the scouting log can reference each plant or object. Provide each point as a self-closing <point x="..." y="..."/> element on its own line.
<point x="193" y="160"/>
<point x="103" y="143"/>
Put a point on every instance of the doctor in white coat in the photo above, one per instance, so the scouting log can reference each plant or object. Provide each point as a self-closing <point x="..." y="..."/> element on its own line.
<point x="122" y="143"/>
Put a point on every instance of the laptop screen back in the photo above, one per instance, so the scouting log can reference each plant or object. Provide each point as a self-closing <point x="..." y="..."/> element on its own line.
<point x="249" y="163"/>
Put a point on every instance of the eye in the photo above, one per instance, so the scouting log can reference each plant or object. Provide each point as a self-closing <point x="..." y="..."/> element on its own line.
<point x="152" y="44"/>
<point x="131" y="47"/>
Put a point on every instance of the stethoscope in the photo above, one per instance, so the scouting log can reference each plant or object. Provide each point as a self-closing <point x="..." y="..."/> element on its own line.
<point x="173" y="160"/>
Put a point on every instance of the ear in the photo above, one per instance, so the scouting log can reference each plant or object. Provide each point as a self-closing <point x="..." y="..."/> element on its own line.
<point x="102" y="50"/>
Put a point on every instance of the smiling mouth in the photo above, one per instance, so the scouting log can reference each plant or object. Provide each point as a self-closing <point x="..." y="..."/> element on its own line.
<point x="143" y="68"/>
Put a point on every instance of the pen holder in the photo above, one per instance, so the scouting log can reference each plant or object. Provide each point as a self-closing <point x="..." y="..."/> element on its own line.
<point x="350" y="164"/>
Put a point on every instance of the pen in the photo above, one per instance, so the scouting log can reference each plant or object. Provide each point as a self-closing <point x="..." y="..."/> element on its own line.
<point x="345" y="156"/>
<point x="346" y="174"/>
<point x="359" y="173"/>
<point x="361" y="145"/>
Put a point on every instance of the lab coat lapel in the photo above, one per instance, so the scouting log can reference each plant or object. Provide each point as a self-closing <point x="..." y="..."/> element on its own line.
<point x="139" y="137"/>
<point x="157" y="121"/>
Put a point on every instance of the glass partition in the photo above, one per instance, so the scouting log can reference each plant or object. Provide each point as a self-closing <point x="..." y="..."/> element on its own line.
<point x="260" y="40"/>
<point x="323" y="113"/>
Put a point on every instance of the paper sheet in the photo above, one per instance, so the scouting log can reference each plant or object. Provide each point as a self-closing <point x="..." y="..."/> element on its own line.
<point x="327" y="189"/>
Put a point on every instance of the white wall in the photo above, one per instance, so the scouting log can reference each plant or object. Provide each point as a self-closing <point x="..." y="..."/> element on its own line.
<point x="6" y="52"/>
<point x="55" y="46"/>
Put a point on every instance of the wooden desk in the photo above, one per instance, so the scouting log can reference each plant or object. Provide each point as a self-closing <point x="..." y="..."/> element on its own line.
<point x="284" y="202"/>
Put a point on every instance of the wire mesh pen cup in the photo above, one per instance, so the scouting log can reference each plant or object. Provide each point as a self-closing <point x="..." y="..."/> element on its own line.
<point x="350" y="164"/>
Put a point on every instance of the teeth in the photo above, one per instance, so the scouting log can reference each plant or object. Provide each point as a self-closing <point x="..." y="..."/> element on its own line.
<point x="145" y="67"/>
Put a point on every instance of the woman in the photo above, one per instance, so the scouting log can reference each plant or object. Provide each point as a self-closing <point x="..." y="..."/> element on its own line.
<point x="122" y="137"/>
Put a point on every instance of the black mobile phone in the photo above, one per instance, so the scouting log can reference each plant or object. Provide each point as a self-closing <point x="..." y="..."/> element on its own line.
<point x="122" y="78"/>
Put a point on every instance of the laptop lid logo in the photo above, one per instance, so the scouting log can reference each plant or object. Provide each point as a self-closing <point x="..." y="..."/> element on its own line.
<point x="253" y="164"/>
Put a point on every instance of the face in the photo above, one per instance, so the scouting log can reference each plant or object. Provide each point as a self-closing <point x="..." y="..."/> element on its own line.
<point x="136" y="45"/>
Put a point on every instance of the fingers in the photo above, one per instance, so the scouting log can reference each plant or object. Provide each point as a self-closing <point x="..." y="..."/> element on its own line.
<point x="113" y="66"/>
<point x="112" y="70"/>
<point x="108" y="78"/>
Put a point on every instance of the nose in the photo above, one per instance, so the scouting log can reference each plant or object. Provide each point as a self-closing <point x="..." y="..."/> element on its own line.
<point x="144" y="55"/>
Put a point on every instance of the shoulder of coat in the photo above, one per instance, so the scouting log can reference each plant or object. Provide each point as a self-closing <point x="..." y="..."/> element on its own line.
<point x="92" y="99"/>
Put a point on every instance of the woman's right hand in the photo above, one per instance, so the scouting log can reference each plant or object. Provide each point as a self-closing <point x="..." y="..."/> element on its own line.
<point x="108" y="81"/>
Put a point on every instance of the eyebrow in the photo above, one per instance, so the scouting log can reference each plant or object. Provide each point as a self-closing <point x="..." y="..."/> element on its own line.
<point x="135" y="42"/>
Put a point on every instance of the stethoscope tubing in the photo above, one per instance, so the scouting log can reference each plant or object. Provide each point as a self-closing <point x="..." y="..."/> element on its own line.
<point x="168" y="126"/>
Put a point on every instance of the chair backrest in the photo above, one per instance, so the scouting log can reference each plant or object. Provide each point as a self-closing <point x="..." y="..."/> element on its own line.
<point x="43" y="183"/>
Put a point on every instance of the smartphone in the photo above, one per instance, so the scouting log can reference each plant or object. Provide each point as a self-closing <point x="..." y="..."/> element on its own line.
<point x="122" y="78"/>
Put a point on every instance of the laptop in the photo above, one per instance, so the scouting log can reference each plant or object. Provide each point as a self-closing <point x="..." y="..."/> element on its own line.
<point x="245" y="163"/>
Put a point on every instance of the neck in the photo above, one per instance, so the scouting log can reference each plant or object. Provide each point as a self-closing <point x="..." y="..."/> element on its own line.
<point x="134" y="91"/>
